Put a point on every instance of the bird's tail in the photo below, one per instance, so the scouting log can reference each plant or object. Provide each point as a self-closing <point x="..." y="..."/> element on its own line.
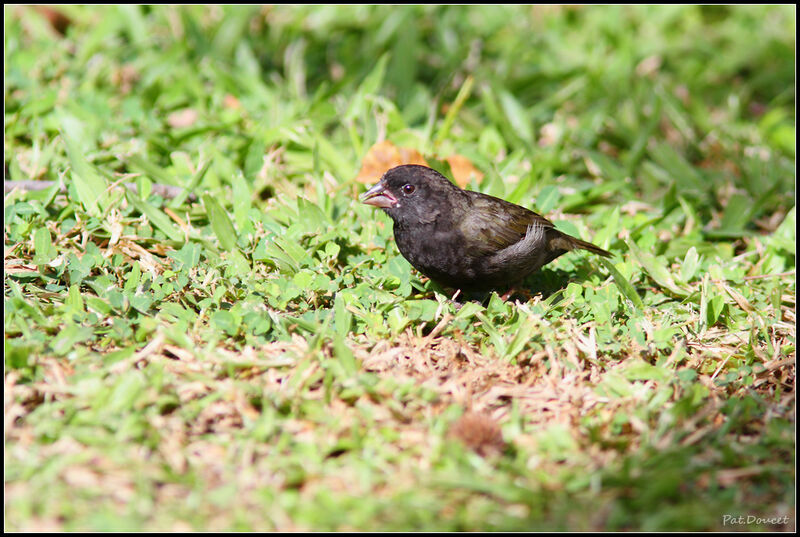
<point x="568" y="242"/>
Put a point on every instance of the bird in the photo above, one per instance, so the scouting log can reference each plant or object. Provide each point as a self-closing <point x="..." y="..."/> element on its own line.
<point x="463" y="239"/>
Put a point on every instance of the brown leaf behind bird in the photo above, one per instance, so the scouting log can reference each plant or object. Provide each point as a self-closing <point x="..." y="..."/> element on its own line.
<point x="384" y="155"/>
<point x="463" y="170"/>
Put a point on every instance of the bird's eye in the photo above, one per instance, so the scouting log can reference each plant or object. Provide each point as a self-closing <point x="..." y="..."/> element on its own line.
<point x="408" y="189"/>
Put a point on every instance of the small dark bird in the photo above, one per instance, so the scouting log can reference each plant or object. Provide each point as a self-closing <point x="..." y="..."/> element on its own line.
<point x="464" y="239"/>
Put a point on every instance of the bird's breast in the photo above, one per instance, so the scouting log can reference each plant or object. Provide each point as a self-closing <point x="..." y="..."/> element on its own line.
<point x="438" y="254"/>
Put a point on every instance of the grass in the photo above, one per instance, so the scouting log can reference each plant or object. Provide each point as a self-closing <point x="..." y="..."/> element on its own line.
<point x="250" y="352"/>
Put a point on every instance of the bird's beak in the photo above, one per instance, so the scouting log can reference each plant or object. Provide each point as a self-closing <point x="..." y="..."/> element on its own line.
<point x="379" y="196"/>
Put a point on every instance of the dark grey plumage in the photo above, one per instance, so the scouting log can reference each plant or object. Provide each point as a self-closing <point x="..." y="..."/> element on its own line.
<point x="464" y="239"/>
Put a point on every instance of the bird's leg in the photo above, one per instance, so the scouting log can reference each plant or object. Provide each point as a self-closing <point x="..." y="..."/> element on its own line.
<point x="524" y="293"/>
<point x="468" y="296"/>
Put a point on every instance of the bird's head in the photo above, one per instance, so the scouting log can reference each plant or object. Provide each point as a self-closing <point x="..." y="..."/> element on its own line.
<point x="411" y="194"/>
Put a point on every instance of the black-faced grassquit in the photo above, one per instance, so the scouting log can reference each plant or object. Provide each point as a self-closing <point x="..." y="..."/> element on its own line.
<point x="464" y="239"/>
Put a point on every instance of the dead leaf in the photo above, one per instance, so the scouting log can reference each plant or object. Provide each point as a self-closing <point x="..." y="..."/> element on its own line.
<point x="124" y="78"/>
<point x="463" y="170"/>
<point x="649" y="66"/>
<point x="229" y="101"/>
<point x="549" y="134"/>
<point x="182" y="118"/>
<point x="57" y="19"/>
<point x="384" y="156"/>
<point x="18" y="266"/>
<point x="479" y="432"/>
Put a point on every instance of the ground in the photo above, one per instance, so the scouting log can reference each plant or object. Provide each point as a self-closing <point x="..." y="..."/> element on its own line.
<point x="204" y="329"/>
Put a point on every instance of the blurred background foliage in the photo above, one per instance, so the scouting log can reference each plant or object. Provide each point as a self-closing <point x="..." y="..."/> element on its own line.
<point x="643" y="90"/>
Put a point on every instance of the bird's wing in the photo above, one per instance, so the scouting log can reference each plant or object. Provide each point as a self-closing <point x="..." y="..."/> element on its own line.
<point x="493" y="224"/>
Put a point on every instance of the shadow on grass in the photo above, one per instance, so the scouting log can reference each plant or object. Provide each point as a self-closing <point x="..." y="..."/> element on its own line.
<point x="544" y="283"/>
<point x="549" y="281"/>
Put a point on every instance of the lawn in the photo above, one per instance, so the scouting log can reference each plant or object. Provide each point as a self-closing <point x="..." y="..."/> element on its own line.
<point x="205" y="330"/>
